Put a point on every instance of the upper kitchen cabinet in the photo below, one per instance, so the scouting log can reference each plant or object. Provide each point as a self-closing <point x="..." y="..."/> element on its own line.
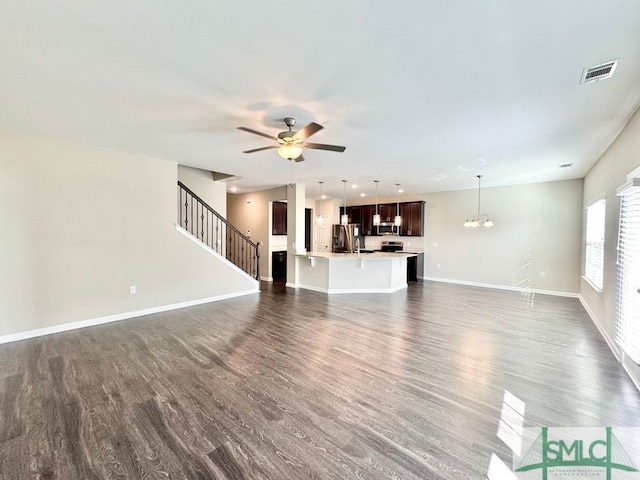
<point x="279" y="218"/>
<point x="355" y="214"/>
<point x="368" y="211"/>
<point x="412" y="214"/>
<point x="387" y="212"/>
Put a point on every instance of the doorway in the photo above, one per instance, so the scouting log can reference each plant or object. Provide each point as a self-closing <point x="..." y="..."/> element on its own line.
<point x="307" y="229"/>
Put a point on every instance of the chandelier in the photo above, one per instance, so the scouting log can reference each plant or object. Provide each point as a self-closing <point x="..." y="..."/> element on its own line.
<point x="480" y="219"/>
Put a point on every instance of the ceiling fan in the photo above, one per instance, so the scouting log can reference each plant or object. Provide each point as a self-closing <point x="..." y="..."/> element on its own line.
<point x="290" y="143"/>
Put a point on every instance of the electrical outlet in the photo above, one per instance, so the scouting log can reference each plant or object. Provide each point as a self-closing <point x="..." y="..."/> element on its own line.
<point x="438" y="266"/>
<point x="132" y="290"/>
<point x="543" y="274"/>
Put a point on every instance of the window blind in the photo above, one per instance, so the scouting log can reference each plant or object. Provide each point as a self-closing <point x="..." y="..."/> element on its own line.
<point x="628" y="301"/>
<point x="594" y="253"/>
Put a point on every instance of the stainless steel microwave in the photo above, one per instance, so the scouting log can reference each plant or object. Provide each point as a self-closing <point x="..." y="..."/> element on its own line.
<point x="387" y="228"/>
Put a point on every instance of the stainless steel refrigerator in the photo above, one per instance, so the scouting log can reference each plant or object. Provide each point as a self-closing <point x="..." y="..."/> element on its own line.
<point x="347" y="238"/>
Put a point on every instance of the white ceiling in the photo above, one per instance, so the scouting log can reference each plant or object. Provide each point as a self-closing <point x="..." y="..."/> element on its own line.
<point x="427" y="93"/>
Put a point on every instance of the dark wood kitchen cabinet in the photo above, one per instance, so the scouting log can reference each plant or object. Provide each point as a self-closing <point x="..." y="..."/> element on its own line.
<point x="412" y="214"/>
<point x="355" y="214"/>
<point x="387" y="212"/>
<point x="362" y="215"/>
<point x="279" y="264"/>
<point x="368" y="211"/>
<point x="279" y="218"/>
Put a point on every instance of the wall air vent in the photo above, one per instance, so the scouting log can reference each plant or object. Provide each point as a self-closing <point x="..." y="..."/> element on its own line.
<point x="598" y="72"/>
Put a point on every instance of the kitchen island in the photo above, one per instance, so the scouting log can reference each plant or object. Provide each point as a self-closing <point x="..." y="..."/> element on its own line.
<point x="377" y="272"/>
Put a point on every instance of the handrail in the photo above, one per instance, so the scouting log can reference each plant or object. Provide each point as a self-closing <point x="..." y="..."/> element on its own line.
<point x="211" y="228"/>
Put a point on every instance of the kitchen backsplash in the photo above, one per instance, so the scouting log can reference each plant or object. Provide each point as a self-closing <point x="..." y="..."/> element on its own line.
<point x="278" y="242"/>
<point x="414" y="244"/>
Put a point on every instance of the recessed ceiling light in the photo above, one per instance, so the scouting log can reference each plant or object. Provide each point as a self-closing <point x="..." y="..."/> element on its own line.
<point x="354" y="186"/>
<point x="401" y="190"/>
<point x="234" y="189"/>
<point x="566" y="165"/>
<point x="363" y="194"/>
<point x="323" y="196"/>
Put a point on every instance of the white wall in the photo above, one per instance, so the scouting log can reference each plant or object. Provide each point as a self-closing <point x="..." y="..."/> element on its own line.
<point x="82" y="224"/>
<point x="534" y="244"/>
<point x="603" y="179"/>
<point x="201" y="182"/>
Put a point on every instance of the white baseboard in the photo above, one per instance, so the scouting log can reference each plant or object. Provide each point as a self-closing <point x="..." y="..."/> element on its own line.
<point x="266" y="279"/>
<point x="612" y="345"/>
<point x="610" y="342"/>
<point x="14" y="337"/>
<point x="504" y="287"/>
<point x="633" y="378"/>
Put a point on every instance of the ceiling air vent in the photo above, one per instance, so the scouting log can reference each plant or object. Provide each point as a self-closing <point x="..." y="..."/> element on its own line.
<point x="598" y="72"/>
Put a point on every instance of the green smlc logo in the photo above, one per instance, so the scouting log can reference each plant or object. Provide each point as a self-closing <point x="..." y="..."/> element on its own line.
<point x="606" y="453"/>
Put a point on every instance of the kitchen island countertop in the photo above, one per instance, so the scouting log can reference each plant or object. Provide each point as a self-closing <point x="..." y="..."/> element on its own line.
<point x="328" y="272"/>
<point x="351" y="256"/>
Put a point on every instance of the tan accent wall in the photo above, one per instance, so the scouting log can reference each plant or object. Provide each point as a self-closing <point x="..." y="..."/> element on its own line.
<point x="251" y="212"/>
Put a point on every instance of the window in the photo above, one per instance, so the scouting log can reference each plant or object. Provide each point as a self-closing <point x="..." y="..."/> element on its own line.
<point x="628" y="311"/>
<point x="594" y="255"/>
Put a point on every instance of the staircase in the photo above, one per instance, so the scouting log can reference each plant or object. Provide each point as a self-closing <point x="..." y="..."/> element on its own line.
<point x="208" y="226"/>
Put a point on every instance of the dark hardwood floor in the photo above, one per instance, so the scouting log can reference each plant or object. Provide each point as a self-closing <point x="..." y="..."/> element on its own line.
<point x="298" y="385"/>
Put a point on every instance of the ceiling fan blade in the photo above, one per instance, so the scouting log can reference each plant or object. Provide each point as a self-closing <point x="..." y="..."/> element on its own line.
<point x="307" y="131"/>
<point x="322" y="146"/>
<point x="255" y="132"/>
<point x="260" y="149"/>
<point x="300" y="159"/>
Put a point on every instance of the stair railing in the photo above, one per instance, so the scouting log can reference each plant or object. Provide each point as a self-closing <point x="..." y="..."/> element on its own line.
<point x="212" y="229"/>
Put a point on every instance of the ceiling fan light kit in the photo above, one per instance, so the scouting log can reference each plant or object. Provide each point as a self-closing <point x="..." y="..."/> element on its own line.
<point x="479" y="219"/>
<point x="289" y="151"/>
<point x="291" y="144"/>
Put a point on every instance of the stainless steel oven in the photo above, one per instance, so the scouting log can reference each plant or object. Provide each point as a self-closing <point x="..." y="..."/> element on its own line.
<point x="391" y="246"/>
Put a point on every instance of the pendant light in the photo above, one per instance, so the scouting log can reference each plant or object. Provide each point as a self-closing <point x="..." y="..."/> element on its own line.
<point x="344" y="218"/>
<point x="319" y="216"/>
<point x="376" y="217"/>
<point x="398" y="220"/>
<point x="479" y="219"/>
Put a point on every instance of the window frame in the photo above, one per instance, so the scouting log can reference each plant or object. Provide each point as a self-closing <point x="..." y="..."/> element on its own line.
<point x="594" y="239"/>
<point x="627" y="333"/>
